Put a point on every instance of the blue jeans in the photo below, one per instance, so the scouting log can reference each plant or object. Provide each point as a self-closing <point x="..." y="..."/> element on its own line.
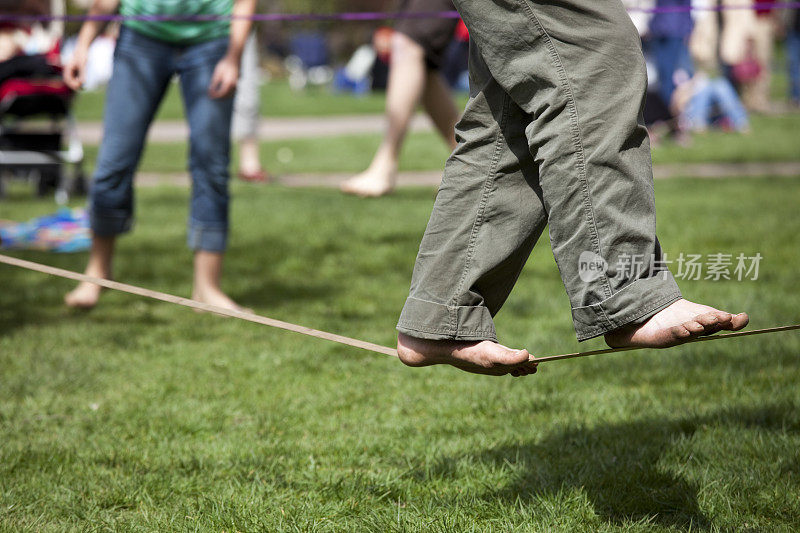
<point x="711" y="97"/>
<point x="793" y="56"/>
<point x="669" y="54"/>
<point x="143" y="68"/>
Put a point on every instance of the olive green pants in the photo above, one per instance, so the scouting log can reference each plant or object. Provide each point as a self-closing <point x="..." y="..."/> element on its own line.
<point x="552" y="136"/>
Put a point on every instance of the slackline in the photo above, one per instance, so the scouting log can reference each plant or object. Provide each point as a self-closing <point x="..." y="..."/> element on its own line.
<point x="332" y="337"/>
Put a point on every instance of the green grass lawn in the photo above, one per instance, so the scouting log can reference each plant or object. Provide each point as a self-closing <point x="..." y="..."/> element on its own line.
<point x="277" y="100"/>
<point x="144" y="416"/>
<point x="773" y="138"/>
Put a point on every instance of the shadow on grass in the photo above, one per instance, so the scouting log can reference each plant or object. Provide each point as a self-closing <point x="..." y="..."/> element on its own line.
<point x="618" y="466"/>
<point x="37" y="299"/>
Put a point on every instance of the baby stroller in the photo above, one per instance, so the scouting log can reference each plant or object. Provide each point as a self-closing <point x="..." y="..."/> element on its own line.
<point x="38" y="135"/>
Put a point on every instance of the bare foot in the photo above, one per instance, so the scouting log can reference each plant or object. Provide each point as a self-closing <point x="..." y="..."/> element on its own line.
<point x="217" y="298"/>
<point x="84" y="296"/>
<point x="370" y="184"/>
<point x="680" y="322"/>
<point x="484" y="357"/>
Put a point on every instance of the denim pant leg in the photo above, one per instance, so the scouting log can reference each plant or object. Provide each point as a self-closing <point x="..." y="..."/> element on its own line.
<point x="793" y="62"/>
<point x="669" y="54"/>
<point x="576" y="70"/>
<point x="729" y="103"/>
<point x="209" y="146"/>
<point x="697" y="113"/>
<point x="142" y="69"/>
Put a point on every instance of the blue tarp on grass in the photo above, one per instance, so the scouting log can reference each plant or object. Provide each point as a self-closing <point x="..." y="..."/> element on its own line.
<point x="65" y="231"/>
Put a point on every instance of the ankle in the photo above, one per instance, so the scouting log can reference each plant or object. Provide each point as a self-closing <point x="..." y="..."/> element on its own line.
<point x="385" y="165"/>
<point x="250" y="167"/>
<point x="98" y="271"/>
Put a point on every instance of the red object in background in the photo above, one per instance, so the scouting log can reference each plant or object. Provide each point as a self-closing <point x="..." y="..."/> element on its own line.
<point x="54" y="54"/>
<point x="382" y="43"/>
<point x="462" y="33"/>
<point x="761" y="11"/>
<point x="15" y="88"/>
<point x="747" y="70"/>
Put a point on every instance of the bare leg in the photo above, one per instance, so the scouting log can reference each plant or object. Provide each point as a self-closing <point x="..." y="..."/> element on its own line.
<point x="86" y="295"/>
<point x="488" y="358"/>
<point x="406" y="86"/>
<point x="250" y="168"/>
<point x="441" y="107"/>
<point x="680" y="322"/>
<point x="207" y="275"/>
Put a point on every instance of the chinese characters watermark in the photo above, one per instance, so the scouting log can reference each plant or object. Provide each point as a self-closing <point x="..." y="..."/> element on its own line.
<point x="717" y="266"/>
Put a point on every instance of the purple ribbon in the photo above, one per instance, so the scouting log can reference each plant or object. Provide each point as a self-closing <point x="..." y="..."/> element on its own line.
<point x="681" y="9"/>
<point x="354" y="16"/>
<point x="264" y="17"/>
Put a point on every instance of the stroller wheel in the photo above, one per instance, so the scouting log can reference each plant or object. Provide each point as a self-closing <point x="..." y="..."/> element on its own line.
<point x="48" y="181"/>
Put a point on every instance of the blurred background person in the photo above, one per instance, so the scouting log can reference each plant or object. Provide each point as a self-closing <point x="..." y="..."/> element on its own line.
<point x="246" y="114"/>
<point x="657" y="116"/>
<point x="703" y="101"/>
<point x="736" y="37"/>
<point x="205" y="55"/>
<point x="667" y="42"/>
<point x="418" y="50"/>
<point x="755" y="91"/>
<point x="29" y="47"/>
<point x="793" y="56"/>
<point x="30" y="37"/>
<point x="705" y="96"/>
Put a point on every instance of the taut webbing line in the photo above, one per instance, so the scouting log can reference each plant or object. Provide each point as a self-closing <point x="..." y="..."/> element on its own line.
<point x="186" y="302"/>
<point x="355" y="343"/>
<point x="698" y="339"/>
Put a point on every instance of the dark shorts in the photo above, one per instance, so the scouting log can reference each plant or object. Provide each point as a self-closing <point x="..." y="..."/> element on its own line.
<point x="433" y="34"/>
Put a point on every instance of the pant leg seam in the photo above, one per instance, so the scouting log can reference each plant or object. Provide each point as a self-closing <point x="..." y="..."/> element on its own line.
<point x="576" y="138"/>
<point x="633" y="315"/>
<point x="605" y="317"/>
<point x="487" y="188"/>
<point x="445" y="331"/>
<point x="627" y="319"/>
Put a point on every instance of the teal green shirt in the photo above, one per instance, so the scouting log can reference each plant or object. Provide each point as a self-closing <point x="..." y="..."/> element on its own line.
<point x="179" y="32"/>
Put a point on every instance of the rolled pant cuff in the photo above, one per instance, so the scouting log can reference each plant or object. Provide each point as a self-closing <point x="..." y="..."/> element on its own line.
<point x="634" y="304"/>
<point x="110" y="222"/>
<point x="207" y="239"/>
<point x="428" y="320"/>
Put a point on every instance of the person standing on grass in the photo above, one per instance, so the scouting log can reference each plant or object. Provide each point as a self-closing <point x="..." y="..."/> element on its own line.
<point x="552" y="134"/>
<point x="246" y="112"/>
<point x="418" y="50"/>
<point x="793" y="57"/>
<point x="756" y="91"/>
<point x="667" y="40"/>
<point x="205" y="55"/>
